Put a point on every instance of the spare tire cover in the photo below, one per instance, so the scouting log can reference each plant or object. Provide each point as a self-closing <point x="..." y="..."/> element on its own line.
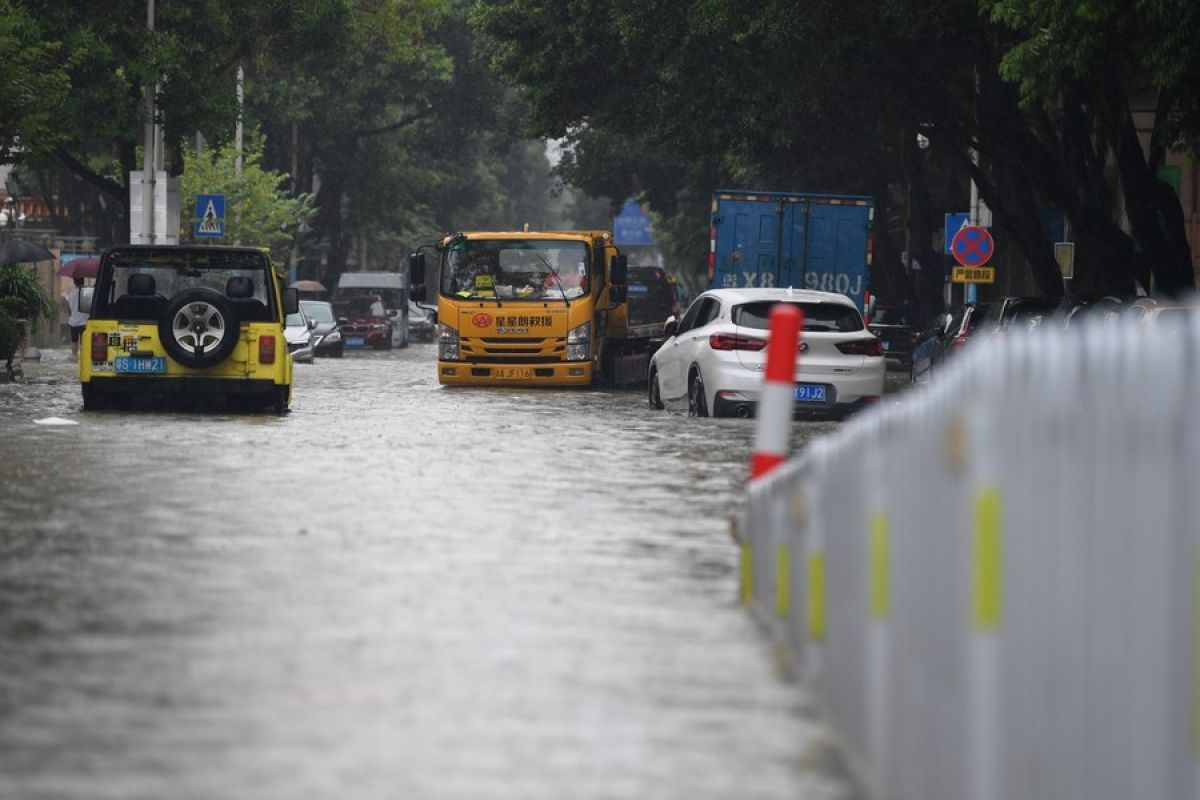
<point x="199" y="328"/>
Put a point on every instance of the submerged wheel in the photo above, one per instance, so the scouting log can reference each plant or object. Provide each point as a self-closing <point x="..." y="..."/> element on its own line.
<point x="697" y="402"/>
<point x="280" y="398"/>
<point x="655" y="394"/>
<point x="93" y="399"/>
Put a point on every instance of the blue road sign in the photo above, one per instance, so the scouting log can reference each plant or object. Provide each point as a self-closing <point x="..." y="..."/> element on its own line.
<point x="210" y="216"/>
<point x="632" y="226"/>
<point x="955" y="223"/>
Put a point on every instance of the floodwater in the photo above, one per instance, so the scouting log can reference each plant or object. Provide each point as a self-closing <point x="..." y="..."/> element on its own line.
<point x="396" y="591"/>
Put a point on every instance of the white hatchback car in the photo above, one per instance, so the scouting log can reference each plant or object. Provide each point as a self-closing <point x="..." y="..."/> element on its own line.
<point x="716" y="355"/>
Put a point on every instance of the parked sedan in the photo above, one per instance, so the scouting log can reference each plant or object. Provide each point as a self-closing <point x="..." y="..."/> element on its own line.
<point x="716" y="355"/>
<point x="422" y="322"/>
<point x="894" y="328"/>
<point x="327" y="335"/>
<point x="298" y="331"/>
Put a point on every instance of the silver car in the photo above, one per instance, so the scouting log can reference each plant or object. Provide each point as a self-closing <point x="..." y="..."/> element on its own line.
<point x="298" y="331"/>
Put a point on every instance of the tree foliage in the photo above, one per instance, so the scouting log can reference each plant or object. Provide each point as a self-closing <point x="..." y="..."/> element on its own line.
<point x="671" y="98"/>
<point x="258" y="210"/>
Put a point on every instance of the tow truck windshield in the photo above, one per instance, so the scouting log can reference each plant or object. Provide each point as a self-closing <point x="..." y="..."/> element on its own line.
<point x="515" y="269"/>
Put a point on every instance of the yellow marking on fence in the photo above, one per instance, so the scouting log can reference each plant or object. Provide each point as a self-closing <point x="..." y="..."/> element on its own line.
<point x="816" y="596"/>
<point x="1196" y="657"/>
<point x="747" y="575"/>
<point x="880" y="566"/>
<point x="987" y="560"/>
<point x="783" y="581"/>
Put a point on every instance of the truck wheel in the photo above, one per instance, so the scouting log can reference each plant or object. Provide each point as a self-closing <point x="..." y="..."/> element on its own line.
<point x="656" y="403"/>
<point x="697" y="402"/>
<point x="279" y="399"/>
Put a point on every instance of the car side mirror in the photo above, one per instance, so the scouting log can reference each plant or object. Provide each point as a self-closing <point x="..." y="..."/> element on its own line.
<point x="312" y="323"/>
<point x="291" y="301"/>
<point x="85" y="298"/>
<point x="947" y="320"/>
<point x="618" y="270"/>
<point x="670" y="326"/>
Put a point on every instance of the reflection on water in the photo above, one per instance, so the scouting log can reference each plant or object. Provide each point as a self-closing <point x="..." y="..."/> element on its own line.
<point x="397" y="590"/>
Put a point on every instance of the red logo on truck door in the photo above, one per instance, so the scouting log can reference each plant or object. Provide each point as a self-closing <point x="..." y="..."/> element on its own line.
<point x="482" y="320"/>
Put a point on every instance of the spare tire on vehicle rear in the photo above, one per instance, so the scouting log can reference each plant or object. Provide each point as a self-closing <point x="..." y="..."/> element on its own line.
<point x="199" y="328"/>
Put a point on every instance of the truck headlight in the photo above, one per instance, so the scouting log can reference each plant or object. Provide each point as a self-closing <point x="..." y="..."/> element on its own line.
<point x="447" y="342"/>
<point x="579" y="340"/>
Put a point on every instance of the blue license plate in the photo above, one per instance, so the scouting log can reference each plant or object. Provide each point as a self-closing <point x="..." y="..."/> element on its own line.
<point x="140" y="366"/>
<point x="355" y="341"/>
<point x="810" y="393"/>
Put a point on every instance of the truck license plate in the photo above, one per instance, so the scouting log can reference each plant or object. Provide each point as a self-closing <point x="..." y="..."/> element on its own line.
<point x="810" y="393"/>
<point x="140" y="366"/>
<point x="513" y="372"/>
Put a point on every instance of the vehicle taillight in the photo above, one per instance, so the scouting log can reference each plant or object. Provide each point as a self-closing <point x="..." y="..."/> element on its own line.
<point x="862" y="347"/>
<point x="99" y="347"/>
<point x="266" y="349"/>
<point x="735" y="341"/>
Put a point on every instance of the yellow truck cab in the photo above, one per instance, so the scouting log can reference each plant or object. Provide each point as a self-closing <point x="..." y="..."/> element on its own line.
<point x="170" y="321"/>
<point x="529" y="308"/>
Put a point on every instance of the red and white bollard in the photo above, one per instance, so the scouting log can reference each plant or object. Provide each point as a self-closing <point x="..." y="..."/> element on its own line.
<point x="776" y="402"/>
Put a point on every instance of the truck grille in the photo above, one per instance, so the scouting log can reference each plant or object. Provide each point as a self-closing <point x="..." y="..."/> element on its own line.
<point x="524" y="350"/>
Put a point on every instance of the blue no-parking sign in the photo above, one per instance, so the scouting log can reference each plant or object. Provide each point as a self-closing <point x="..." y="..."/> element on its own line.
<point x="210" y="216"/>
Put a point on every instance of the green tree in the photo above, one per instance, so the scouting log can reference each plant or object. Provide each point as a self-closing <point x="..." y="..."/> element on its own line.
<point x="33" y="83"/>
<point x="258" y="210"/>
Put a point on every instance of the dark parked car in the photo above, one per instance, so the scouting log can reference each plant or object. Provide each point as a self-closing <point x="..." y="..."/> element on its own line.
<point x="327" y="335"/>
<point x="893" y="325"/>
<point x="950" y="334"/>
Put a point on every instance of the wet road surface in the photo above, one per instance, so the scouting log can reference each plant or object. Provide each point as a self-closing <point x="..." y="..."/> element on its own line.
<point x="396" y="591"/>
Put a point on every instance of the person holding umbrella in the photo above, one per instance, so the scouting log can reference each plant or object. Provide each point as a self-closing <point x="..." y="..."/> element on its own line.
<point x="77" y="320"/>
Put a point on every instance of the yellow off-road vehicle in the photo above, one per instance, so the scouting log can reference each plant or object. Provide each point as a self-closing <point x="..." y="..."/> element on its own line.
<point x="187" y="322"/>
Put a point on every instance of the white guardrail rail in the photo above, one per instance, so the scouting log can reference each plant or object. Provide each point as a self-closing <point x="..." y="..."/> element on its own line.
<point x="992" y="584"/>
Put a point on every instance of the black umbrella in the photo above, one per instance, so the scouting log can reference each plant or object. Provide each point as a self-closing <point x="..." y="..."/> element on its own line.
<point x="17" y="252"/>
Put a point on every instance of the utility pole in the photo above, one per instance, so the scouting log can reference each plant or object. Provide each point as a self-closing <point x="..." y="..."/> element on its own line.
<point x="149" y="145"/>
<point x="237" y="136"/>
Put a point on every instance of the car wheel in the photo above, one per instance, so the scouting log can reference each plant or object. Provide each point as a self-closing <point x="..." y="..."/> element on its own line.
<point x="697" y="402"/>
<point x="199" y="328"/>
<point x="656" y="402"/>
<point x="94" y="399"/>
<point x="280" y="396"/>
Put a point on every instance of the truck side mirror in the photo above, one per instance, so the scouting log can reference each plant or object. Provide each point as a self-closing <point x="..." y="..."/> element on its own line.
<point x="618" y="294"/>
<point x="618" y="270"/>
<point x="416" y="276"/>
<point x="291" y="301"/>
<point x="85" y="298"/>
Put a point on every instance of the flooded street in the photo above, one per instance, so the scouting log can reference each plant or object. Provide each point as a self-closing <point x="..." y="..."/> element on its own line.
<point x="396" y="591"/>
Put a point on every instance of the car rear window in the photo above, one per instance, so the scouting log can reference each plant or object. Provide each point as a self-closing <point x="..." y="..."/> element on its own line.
<point x="817" y="316"/>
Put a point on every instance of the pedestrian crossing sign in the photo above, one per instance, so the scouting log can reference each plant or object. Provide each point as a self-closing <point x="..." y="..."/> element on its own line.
<point x="210" y="216"/>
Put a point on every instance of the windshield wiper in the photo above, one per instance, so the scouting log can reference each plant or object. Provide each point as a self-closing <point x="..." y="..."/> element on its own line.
<point x="557" y="280"/>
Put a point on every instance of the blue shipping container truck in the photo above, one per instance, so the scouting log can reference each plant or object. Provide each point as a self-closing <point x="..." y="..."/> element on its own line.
<point x="808" y="241"/>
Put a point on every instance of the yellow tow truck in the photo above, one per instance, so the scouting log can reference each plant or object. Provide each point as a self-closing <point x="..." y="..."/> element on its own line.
<point x="533" y="308"/>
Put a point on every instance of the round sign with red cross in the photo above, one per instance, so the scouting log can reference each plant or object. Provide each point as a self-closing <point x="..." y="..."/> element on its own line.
<point x="972" y="246"/>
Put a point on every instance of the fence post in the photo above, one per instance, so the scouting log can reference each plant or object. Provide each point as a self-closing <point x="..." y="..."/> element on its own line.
<point x="775" y="402"/>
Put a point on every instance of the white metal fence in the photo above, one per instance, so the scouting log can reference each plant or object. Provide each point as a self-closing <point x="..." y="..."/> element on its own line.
<point x="993" y="583"/>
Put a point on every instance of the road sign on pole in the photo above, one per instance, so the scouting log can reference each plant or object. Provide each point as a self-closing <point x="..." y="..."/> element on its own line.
<point x="955" y="223"/>
<point x="972" y="246"/>
<point x="210" y="216"/>
<point x="973" y="275"/>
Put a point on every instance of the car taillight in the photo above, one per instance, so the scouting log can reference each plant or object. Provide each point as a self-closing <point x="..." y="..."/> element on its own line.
<point x="99" y="347"/>
<point x="735" y="341"/>
<point x="266" y="349"/>
<point x="862" y="347"/>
